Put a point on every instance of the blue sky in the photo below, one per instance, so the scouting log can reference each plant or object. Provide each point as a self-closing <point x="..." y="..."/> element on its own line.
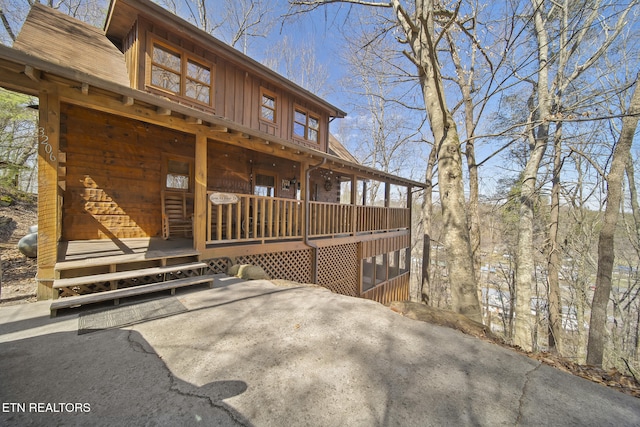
<point x="324" y="30"/>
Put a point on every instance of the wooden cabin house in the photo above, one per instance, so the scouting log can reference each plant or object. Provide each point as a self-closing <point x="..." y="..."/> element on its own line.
<point x="166" y="156"/>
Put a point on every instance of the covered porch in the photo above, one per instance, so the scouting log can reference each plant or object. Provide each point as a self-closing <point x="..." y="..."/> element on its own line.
<point x="259" y="219"/>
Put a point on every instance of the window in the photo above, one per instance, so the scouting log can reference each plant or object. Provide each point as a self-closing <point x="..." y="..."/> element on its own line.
<point x="176" y="72"/>
<point x="165" y="69"/>
<point x="268" y="103"/>
<point x="305" y="125"/>
<point x="265" y="185"/>
<point x="178" y="175"/>
<point x="394" y="264"/>
<point x="368" y="274"/>
<point x="198" y="82"/>
<point x="381" y="268"/>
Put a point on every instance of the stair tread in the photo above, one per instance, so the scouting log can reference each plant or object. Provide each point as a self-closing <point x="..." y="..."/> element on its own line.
<point x="124" y="259"/>
<point x="128" y="274"/>
<point x="126" y="292"/>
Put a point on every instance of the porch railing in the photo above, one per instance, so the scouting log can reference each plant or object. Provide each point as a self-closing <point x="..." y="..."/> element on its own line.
<point x="259" y="218"/>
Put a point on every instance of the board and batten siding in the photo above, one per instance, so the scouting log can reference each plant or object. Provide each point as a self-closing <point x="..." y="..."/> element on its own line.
<point x="237" y="91"/>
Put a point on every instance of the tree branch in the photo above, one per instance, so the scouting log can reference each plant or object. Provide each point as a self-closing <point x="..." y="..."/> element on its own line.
<point x="316" y="3"/>
<point x="7" y="27"/>
<point x="589" y="160"/>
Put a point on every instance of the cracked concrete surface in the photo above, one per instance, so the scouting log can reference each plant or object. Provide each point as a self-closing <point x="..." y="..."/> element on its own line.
<point x="252" y="354"/>
<point x="523" y="394"/>
<point x="177" y="386"/>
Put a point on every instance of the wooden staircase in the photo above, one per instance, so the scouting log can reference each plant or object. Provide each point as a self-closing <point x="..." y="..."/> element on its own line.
<point x="93" y="280"/>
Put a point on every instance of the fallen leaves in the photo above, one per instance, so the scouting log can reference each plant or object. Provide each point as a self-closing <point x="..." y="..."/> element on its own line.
<point x="611" y="378"/>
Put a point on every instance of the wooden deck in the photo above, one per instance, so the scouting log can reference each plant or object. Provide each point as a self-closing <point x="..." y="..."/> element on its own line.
<point x="95" y="251"/>
<point x="90" y="271"/>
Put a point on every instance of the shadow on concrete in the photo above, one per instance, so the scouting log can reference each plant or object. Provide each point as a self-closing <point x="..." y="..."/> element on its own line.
<point x="111" y="378"/>
<point x="251" y="353"/>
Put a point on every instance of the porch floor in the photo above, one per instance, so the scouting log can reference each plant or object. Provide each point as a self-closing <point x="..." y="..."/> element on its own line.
<point x="86" y="251"/>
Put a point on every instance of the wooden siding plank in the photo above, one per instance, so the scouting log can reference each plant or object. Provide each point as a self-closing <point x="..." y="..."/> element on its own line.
<point x="122" y="195"/>
<point x="247" y="114"/>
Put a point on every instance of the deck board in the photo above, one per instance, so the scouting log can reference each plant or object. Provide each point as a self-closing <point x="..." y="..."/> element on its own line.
<point x="128" y="274"/>
<point x="116" y="294"/>
<point x="85" y="253"/>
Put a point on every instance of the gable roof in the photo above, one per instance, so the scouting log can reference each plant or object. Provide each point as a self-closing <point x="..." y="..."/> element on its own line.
<point x="122" y="16"/>
<point x="337" y="149"/>
<point x="84" y="63"/>
<point x="60" y="39"/>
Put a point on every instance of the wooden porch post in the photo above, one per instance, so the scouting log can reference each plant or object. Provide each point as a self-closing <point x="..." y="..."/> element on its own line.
<point x="354" y="207"/>
<point x="49" y="198"/>
<point x="200" y="194"/>
<point x="387" y="203"/>
<point x="387" y="194"/>
<point x="303" y="191"/>
<point x="415" y="296"/>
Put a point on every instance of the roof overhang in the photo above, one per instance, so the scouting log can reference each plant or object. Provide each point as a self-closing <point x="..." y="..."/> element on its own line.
<point x="25" y="73"/>
<point x="122" y="15"/>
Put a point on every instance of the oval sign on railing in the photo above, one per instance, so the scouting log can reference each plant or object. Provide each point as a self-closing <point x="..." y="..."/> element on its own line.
<point x="223" y="198"/>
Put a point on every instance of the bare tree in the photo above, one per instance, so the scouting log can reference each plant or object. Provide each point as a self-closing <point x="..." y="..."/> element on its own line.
<point x="297" y="61"/>
<point x="427" y="214"/>
<point x="422" y="26"/>
<point x="386" y="134"/>
<point x="554" y="74"/>
<point x="236" y="22"/>
<point x="246" y="20"/>
<point x="7" y="25"/>
<point x="621" y="156"/>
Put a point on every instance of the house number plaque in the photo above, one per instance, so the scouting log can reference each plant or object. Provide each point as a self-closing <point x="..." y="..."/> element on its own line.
<point x="223" y="198"/>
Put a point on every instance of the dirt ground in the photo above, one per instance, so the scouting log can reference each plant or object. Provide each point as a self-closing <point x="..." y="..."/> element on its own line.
<point x="18" y="272"/>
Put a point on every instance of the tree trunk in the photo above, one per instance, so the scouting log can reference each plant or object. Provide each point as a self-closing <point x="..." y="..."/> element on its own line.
<point x="633" y="193"/>
<point x="418" y="28"/>
<point x="465" y="81"/>
<point x="538" y="139"/>
<point x="555" y="301"/>
<point x="464" y="292"/>
<point x="598" y="324"/>
<point x="427" y="210"/>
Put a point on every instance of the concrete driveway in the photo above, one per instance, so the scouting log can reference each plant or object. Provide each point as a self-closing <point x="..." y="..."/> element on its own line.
<point x="255" y="354"/>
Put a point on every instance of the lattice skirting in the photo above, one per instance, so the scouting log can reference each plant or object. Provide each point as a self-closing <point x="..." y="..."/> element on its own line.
<point x="219" y="265"/>
<point x="83" y="289"/>
<point x="338" y="269"/>
<point x="91" y="288"/>
<point x="286" y="265"/>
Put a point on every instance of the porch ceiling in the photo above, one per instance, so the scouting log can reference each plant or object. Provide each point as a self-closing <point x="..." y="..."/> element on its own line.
<point x="22" y="72"/>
